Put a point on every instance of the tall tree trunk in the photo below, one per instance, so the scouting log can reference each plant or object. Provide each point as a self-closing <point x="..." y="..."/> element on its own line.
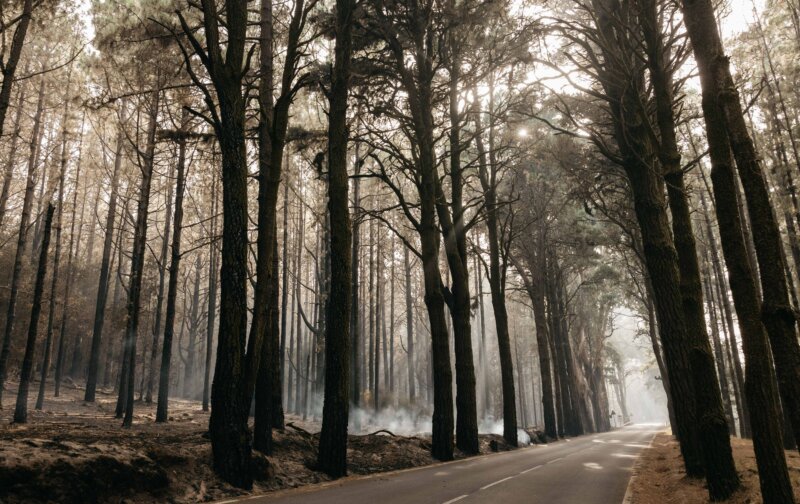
<point x="22" y="237"/>
<point x="332" y="455"/>
<point x="488" y="177"/>
<point x="21" y="410"/>
<point x="719" y="355"/>
<point x="451" y="222"/>
<point x="535" y="287"/>
<point x="763" y="404"/>
<point x="105" y="270"/>
<point x="720" y="91"/>
<point x="294" y="323"/>
<point x="285" y="283"/>
<point x="9" y="69"/>
<point x="213" y="273"/>
<point x="188" y="372"/>
<point x="722" y="293"/>
<point x="273" y="124"/>
<point x="172" y="287"/>
<point x="377" y="317"/>
<point x="419" y="87"/>
<point x="232" y="388"/>
<point x="302" y="296"/>
<point x="162" y="277"/>
<point x="57" y="258"/>
<point x="637" y="154"/>
<point x="354" y="325"/>
<point x="487" y="379"/>
<point x="372" y="376"/>
<point x="412" y="392"/>
<point x="62" y="342"/>
<point x="323" y="299"/>
<point x="137" y="260"/>
<point x="275" y="381"/>
<point x="74" y="245"/>
<point x="12" y="155"/>
<point x="712" y="425"/>
<point x="391" y="319"/>
<point x="565" y="365"/>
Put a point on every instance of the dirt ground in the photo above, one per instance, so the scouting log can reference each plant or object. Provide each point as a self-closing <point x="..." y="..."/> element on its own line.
<point x="659" y="477"/>
<point x="76" y="452"/>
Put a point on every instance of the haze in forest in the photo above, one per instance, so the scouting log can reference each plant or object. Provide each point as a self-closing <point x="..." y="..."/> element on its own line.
<point x="279" y="243"/>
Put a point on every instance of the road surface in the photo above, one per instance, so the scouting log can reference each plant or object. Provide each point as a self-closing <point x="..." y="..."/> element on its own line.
<point x="593" y="469"/>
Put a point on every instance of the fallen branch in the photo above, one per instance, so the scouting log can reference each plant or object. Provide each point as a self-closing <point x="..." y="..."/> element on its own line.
<point x="299" y="429"/>
<point x="382" y="431"/>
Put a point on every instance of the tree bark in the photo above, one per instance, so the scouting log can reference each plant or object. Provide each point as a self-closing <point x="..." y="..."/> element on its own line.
<point x="21" y="410"/>
<point x="137" y="262"/>
<point x="74" y="245"/>
<point x="285" y="288"/>
<point x="535" y="287"/>
<point x="412" y="392"/>
<point x="57" y="258"/>
<point x="333" y="438"/>
<point x="488" y="178"/>
<point x="719" y="89"/>
<point x="162" y="274"/>
<point x="188" y="371"/>
<point x="9" y="69"/>
<point x="12" y="154"/>
<point x="213" y="273"/>
<point x="354" y="325"/>
<point x="419" y="86"/>
<point x="454" y="238"/>
<point x="172" y="288"/>
<point x="105" y="270"/>
<point x="713" y="428"/>
<point x="22" y="237"/>
<point x="763" y="404"/>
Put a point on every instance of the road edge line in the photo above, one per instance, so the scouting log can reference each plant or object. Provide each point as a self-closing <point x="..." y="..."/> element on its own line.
<point x="628" y="498"/>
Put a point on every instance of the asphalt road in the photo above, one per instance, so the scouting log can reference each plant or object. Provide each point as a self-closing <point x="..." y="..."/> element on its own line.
<point x="593" y="469"/>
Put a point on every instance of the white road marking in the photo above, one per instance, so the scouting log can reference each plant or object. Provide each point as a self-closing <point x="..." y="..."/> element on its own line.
<point x="496" y="483"/>
<point x="555" y="460"/>
<point x="531" y="469"/>
<point x="451" y="501"/>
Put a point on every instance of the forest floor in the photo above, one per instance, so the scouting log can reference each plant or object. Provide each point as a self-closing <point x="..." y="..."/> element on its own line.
<point x="659" y="477"/>
<point x="73" y="451"/>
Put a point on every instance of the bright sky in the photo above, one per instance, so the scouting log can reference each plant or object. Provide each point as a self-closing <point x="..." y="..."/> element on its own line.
<point x="741" y="15"/>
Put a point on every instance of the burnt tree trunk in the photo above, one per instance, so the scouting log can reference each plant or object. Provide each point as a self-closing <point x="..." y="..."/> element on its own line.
<point x="172" y="288"/>
<point x="333" y="438"/>
<point x="9" y="69"/>
<point x="57" y="258"/>
<point x="454" y="233"/>
<point x="162" y="276"/>
<point x="22" y="237"/>
<point x="12" y="155"/>
<point x="412" y="392"/>
<point x="191" y="351"/>
<point x="21" y="410"/>
<point x="354" y="325"/>
<point x="137" y="262"/>
<point x="102" y="288"/>
<point x="213" y="273"/>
